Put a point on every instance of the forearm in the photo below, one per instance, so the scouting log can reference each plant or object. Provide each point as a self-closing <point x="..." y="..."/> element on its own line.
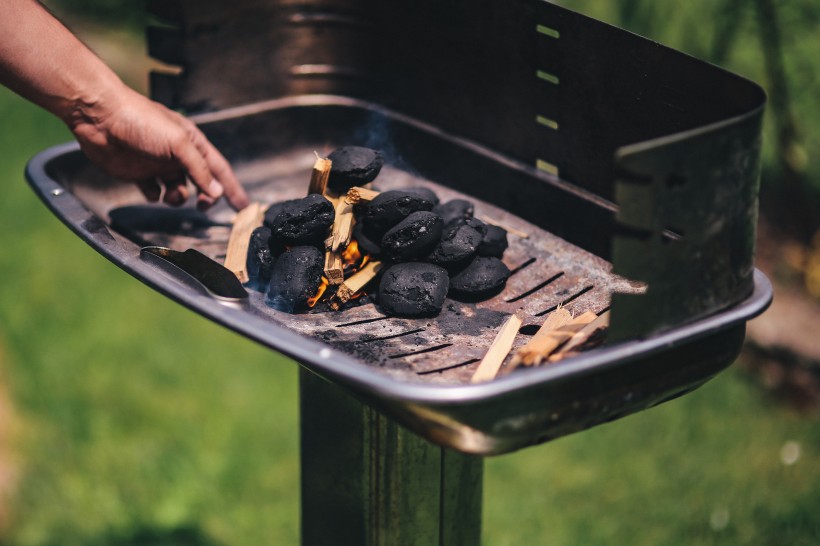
<point x="124" y="133"/>
<point x="42" y="61"/>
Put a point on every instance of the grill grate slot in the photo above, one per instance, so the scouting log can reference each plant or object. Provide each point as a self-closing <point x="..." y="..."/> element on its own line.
<point x="523" y="266"/>
<point x="448" y="368"/>
<point x="392" y="336"/>
<point x="536" y="288"/>
<point x="566" y="301"/>
<point x="422" y="351"/>
<point x="360" y="322"/>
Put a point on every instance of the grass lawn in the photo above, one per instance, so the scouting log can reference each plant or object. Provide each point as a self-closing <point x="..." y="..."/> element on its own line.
<point x="137" y="422"/>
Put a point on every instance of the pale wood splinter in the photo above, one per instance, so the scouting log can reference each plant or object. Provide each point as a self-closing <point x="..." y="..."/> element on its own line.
<point x="236" y="258"/>
<point x="342" y="227"/>
<point x="356" y="195"/>
<point x="319" y="176"/>
<point x="580" y="337"/>
<point x="498" y="351"/>
<point x="352" y="286"/>
<point x="557" y="329"/>
<point x="334" y="267"/>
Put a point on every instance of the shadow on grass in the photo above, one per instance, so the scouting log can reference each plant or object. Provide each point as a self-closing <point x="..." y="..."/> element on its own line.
<point x="179" y="536"/>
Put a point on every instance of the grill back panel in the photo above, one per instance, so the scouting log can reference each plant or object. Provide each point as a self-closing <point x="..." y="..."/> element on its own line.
<point x="577" y="104"/>
<point x="535" y="110"/>
<point x="519" y="409"/>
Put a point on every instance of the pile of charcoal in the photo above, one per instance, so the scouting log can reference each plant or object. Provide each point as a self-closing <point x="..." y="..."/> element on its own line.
<point x="428" y="250"/>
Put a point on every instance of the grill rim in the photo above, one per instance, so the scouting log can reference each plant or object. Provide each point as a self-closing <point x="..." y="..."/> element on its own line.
<point x="492" y="418"/>
<point x="351" y="371"/>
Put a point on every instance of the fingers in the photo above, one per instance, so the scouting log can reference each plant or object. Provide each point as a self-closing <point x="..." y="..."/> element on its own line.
<point x="193" y="161"/>
<point x="145" y="141"/>
<point x="220" y="169"/>
<point x="150" y="189"/>
<point x="176" y="192"/>
<point x="203" y="202"/>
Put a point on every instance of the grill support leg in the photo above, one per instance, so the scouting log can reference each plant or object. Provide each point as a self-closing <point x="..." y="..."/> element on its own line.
<point x="368" y="482"/>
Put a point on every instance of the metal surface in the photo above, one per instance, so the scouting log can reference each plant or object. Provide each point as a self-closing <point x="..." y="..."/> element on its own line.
<point x="674" y="140"/>
<point x="523" y="408"/>
<point x="366" y="481"/>
<point x="602" y="145"/>
<point x="541" y="115"/>
<point x="217" y="281"/>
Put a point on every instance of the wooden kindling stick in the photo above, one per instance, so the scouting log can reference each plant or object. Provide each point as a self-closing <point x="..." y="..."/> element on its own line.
<point x="498" y="351"/>
<point x="320" y="175"/>
<point x="236" y="258"/>
<point x="342" y="226"/>
<point x="353" y="285"/>
<point x="356" y="195"/>
<point x="580" y="337"/>
<point x="334" y="267"/>
<point x="557" y="329"/>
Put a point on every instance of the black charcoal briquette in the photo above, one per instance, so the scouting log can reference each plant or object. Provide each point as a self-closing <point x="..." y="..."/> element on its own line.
<point x="353" y="166"/>
<point x="366" y="244"/>
<point x="413" y="237"/>
<point x="457" y="209"/>
<point x="260" y="259"/>
<point x="391" y="207"/>
<point x="474" y="223"/>
<point x="484" y="277"/>
<point x="413" y="290"/>
<point x="425" y="192"/>
<point x="300" y="221"/>
<point x="296" y="277"/>
<point x="494" y="242"/>
<point x="457" y="246"/>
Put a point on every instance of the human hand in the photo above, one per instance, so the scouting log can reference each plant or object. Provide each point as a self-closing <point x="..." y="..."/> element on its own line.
<point x="134" y="138"/>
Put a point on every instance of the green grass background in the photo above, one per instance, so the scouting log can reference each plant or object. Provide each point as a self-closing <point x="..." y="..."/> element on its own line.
<point x="138" y="422"/>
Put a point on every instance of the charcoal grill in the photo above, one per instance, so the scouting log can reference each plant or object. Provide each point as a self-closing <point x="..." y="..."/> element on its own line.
<point x="632" y="167"/>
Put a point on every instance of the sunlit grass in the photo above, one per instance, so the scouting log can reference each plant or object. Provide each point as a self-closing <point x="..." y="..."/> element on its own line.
<point x="140" y="419"/>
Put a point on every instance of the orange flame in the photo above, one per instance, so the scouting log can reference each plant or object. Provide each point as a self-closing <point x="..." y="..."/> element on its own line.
<point x="353" y="259"/>
<point x="358" y="295"/>
<point x="351" y="254"/>
<point x="311" y="302"/>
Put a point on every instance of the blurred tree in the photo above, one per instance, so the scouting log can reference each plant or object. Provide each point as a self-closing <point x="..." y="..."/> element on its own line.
<point x="639" y="16"/>
<point x="728" y="17"/>
<point x="791" y="156"/>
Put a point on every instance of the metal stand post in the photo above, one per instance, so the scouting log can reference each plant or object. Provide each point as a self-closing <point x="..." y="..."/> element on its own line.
<point x="368" y="482"/>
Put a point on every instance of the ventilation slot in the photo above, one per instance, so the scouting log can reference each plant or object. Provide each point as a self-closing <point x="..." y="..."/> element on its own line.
<point x="546" y="166"/>
<point x="546" y="122"/>
<point x="567" y="301"/>
<point x="448" y="368"/>
<point x="523" y="266"/>
<point x="393" y="336"/>
<point x="671" y="235"/>
<point x="536" y="288"/>
<point x="423" y="351"/>
<point x="547" y="77"/>
<point x="358" y="322"/>
<point x="548" y="31"/>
